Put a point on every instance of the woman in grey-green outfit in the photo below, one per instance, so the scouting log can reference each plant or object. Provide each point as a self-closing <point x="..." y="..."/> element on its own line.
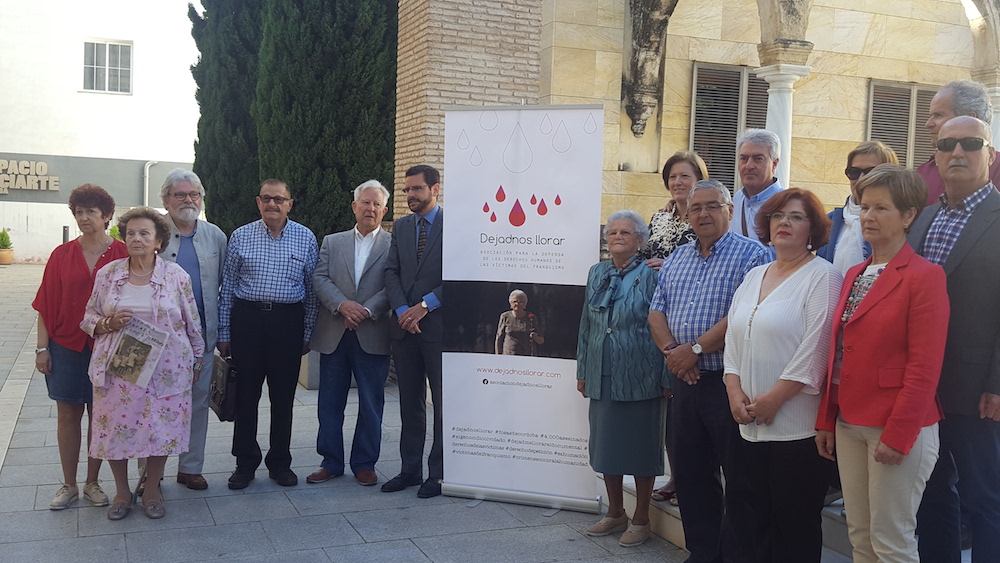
<point x="622" y="371"/>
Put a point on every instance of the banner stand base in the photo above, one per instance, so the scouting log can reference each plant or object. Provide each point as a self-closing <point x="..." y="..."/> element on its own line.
<point x="519" y="497"/>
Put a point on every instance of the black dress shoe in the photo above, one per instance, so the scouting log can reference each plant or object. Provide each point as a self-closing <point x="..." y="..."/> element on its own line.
<point x="400" y="482"/>
<point x="240" y="479"/>
<point x="284" y="477"/>
<point x="430" y="488"/>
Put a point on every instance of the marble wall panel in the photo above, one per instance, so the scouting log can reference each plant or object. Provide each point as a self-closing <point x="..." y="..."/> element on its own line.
<point x="612" y="148"/>
<point x="572" y="11"/>
<point x="671" y="141"/>
<point x="851" y="130"/>
<point x="875" y="42"/>
<point x="821" y="21"/>
<point x="830" y="194"/>
<point x="703" y="18"/>
<point x="677" y="46"/>
<point x="609" y="204"/>
<point x="898" y="8"/>
<point x="608" y="80"/>
<point x="643" y="184"/>
<point x="611" y="13"/>
<point x="724" y="52"/>
<point x="644" y="205"/>
<point x="936" y="74"/>
<point x="611" y="182"/>
<point x="937" y="11"/>
<point x="953" y="45"/>
<point x="677" y="76"/>
<point x="909" y="40"/>
<point x="827" y="62"/>
<point x="587" y="37"/>
<point x="829" y="95"/>
<point x="819" y="160"/>
<point x="573" y="71"/>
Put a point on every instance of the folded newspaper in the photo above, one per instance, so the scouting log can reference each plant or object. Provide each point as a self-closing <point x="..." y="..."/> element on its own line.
<point x="137" y="350"/>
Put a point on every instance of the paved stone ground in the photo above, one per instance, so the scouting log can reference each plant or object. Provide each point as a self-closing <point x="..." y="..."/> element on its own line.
<point x="334" y="521"/>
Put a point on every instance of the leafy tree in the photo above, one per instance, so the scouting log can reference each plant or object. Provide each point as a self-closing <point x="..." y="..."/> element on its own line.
<point x="325" y="102"/>
<point x="228" y="36"/>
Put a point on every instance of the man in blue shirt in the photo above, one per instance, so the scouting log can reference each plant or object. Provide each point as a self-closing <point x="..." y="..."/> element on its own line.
<point x="757" y="157"/>
<point x="413" y="284"/>
<point x="267" y="310"/>
<point x="688" y="319"/>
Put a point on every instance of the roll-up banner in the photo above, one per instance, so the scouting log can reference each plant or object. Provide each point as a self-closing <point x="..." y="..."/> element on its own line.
<point x="523" y="187"/>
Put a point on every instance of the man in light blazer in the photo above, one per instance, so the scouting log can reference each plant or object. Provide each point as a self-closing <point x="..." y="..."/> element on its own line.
<point x="962" y="234"/>
<point x="352" y="334"/>
<point x="413" y="284"/>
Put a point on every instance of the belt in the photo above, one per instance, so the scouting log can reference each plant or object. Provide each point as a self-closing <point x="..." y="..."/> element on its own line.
<point x="267" y="305"/>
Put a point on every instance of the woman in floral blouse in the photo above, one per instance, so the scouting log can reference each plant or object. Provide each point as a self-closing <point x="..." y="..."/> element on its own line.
<point x="132" y="420"/>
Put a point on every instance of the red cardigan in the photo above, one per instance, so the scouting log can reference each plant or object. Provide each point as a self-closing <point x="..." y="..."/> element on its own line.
<point x="893" y="351"/>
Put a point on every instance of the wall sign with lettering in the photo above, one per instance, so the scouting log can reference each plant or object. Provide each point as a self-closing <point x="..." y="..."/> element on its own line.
<point x="26" y="175"/>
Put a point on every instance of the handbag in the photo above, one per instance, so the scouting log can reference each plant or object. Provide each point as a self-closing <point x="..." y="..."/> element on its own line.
<point x="222" y="395"/>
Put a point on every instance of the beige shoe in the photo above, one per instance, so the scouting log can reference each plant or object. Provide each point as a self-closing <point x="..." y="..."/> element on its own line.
<point x="634" y="535"/>
<point x="608" y="525"/>
<point x="95" y="494"/>
<point x="65" y="497"/>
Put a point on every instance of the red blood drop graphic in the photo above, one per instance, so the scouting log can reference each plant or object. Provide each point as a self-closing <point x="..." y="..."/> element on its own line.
<point x="558" y="200"/>
<point x="517" y="214"/>
<point x="493" y="217"/>
<point x="533" y="200"/>
<point x="542" y="208"/>
<point x="501" y="195"/>
<point x="486" y="207"/>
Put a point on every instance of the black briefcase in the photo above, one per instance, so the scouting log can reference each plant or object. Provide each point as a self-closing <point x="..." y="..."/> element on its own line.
<point x="222" y="396"/>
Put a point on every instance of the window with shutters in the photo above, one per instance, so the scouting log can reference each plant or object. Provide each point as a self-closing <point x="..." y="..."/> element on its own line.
<point x="727" y="101"/>
<point x="107" y="67"/>
<point x="896" y="116"/>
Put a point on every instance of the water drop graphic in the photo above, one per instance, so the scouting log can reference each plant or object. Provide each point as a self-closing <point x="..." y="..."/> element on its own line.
<point x="463" y="140"/>
<point x="542" y="208"/>
<point x="500" y="194"/>
<point x="558" y="200"/>
<point x="488" y="120"/>
<point x="534" y="200"/>
<point x="477" y="157"/>
<point x="517" y="214"/>
<point x="560" y="141"/>
<point x="590" y="126"/>
<point x="546" y="125"/>
<point x="486" y="207"/>
<point x="493" y="217"/>
<point x="517" y="155"/>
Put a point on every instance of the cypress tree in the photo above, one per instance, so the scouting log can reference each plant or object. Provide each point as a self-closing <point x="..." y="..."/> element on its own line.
<point x="228" y="36"/>
<point x="325" y="102"/>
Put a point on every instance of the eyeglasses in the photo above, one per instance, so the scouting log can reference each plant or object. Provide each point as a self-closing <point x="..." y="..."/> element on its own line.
<point x="275" y="198"/>
<point x="711" y="208"/>
<point x="969" y="144"/>
<point x="853" y="172"/>
<point x="415" y="188"/>
<point x="797" y="218"/>
<point x="181" y="196"/>
<point x="622" y="233"/>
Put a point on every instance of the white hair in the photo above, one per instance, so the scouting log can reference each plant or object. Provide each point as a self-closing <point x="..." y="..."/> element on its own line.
<point x="518" y="293"/>
<point x="371" y="184"/>
<point x="641" y="229"/>
<point x="178" y="175"/>
<point x="716" y="185"/>
<point x="760" y="137"/>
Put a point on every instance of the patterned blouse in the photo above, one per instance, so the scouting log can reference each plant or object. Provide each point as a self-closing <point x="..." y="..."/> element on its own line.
<point x="667" y="231"/>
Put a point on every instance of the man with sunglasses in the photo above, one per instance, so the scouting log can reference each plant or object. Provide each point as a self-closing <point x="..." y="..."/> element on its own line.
<point x="962" y="234"/>
<point x="267" y="309"/>
<point x="960" y="97"/>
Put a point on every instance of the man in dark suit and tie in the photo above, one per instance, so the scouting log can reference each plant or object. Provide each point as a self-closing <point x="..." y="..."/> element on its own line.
<point x="413" y="284"/>
<point x="352" y="334"/>
<point x="962" y="234"/>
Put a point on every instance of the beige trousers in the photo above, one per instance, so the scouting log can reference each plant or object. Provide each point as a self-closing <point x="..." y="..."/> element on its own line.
<point x="882" y="500"/>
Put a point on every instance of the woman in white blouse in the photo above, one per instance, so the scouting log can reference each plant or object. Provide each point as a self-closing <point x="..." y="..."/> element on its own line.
<point x="777" y="345"/>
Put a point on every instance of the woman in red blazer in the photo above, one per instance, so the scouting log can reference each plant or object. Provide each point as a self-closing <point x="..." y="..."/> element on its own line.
<point x="879" y="411"/>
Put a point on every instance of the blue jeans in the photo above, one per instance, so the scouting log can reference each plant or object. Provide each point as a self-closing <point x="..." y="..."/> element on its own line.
<point x="968" y="468"/>
<point x="370" y="371"/>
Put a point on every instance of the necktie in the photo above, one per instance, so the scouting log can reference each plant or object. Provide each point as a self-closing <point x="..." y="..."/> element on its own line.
<point x="743" y="217"/>
<point x="421" y="239"/>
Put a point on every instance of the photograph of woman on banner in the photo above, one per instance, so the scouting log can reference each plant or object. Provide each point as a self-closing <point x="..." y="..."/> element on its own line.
<point x="135" y="420"/>
<point x="519" y="332"/>
<point x="621" y="371"/>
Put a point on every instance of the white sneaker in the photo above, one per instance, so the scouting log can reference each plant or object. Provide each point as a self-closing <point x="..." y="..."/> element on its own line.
<point x="93" y="493"/>
<point x="65" y="497"/>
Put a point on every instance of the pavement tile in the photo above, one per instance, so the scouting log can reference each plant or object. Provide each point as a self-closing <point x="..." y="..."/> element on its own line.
<point x="520" y="545"/>
<point x="199" y="544"/>
<point x="37" y="525"/>
<point x="418" y="521"/>
<point x="27" y="440"/>
<point x="18" y="499"/>
<point x="31" y="456"/>
<point x="309" y="532"/>
<point x="399" y="551"/>
<point x="307" y="556"/>
<point x="534" y="515"/>
<point x="343" y="494"/>
<point x="610" y="542"/>
<point x="250" y="507"/>
<point x="103" y="549"/>
<point x="180" y="514"/>
<point x="20" y="475"/>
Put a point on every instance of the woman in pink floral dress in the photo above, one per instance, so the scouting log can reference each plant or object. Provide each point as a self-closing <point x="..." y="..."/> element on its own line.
<point x="151" y="421"/>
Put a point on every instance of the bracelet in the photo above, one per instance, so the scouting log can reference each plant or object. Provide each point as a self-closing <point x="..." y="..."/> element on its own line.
<point x="107" y="324"/>
<point x="40" y="350"/>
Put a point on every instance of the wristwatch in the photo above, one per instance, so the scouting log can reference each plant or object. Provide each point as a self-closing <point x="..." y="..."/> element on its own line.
<point x="695" y="347"/>
<point x="40" y="350"/>
<point x="424" y="305"/>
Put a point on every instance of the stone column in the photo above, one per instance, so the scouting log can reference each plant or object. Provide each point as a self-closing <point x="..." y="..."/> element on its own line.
<point x="781" y="78"/>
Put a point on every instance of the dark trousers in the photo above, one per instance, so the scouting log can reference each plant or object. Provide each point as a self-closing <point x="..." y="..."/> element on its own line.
<point x="706" y="438"/>
<point x="266" y="345"/>
<point x="335" y="369"/>
<point x="968" y="468"/>
<point x="788" y="485"/>
<point x="418" y="363"/>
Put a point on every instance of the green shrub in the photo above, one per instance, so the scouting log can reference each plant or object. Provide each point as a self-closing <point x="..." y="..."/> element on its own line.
<point x="4" y="239"/>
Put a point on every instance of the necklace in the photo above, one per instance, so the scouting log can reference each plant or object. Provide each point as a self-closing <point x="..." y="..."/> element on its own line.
<point x="137" y="274"/>
<point x="99" y="252"/>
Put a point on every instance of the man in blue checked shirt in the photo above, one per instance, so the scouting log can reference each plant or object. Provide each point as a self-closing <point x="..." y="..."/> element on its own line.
<point x="267" y="310"/>
<point x="688" y="320"/>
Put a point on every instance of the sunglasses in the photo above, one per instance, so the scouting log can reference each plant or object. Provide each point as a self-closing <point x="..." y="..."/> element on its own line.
<point x="969" y="144"/>
<point x="853" y="172"/>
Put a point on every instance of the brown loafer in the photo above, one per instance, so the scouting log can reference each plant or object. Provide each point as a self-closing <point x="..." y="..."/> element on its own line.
<point x="154" y="509"/>
<point x="119" y="510"/>
<point x="366" y="477"/>
<point x="321" y="475"/>
<point x="192" y="481"/>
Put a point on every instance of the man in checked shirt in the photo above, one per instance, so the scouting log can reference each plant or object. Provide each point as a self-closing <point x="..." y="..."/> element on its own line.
<point x="688" y="319"/>
<point x="267" y="310"/>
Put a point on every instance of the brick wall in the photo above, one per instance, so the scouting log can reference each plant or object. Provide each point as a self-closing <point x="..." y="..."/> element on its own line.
<point x="454" y="52"/>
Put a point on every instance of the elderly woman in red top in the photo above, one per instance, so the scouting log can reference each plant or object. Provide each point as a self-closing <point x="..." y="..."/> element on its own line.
<point x="879" y="411"/>
<point x="63" y="352"/>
